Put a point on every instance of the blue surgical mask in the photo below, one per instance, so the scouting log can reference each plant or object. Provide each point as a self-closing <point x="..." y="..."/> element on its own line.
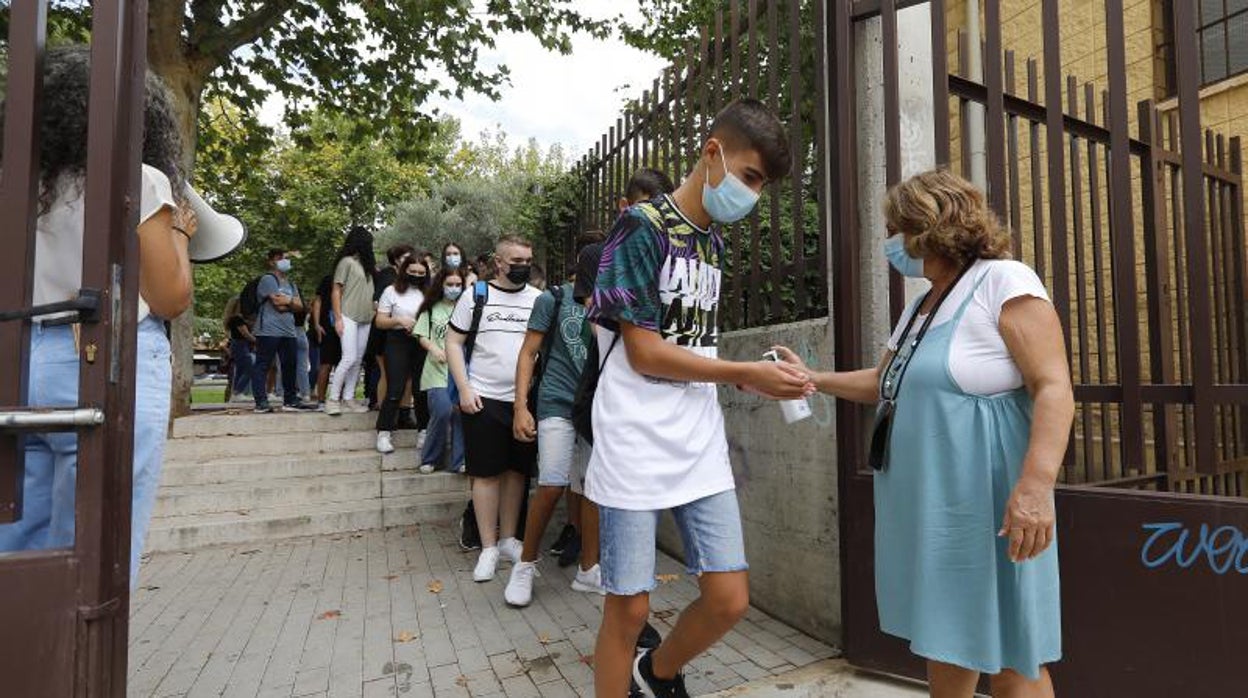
<point x="452" y="294"/>
<point x="731" y="200"/>
<point x="895" y="250"/>
<point x="283" y="265"/>
<point x="453" y="261"/>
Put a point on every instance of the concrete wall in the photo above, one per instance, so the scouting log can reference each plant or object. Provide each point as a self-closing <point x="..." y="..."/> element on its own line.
<point x="787" y="485"/>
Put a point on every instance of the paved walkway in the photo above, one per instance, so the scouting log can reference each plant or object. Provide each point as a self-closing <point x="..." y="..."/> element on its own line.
<point x="395" y="613"/>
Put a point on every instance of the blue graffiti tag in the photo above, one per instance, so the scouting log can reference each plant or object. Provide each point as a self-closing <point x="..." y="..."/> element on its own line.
<point x="1222" y="548"/>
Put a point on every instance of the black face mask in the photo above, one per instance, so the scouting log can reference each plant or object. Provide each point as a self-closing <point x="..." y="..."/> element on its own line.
<point x="519" y="273"/>
<point x="417" y="280"/>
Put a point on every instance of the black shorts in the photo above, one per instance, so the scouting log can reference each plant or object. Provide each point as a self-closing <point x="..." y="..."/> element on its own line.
<point x="376" y="342"/>
<point x="331" y="348"/>
<point x="490" y="448"/>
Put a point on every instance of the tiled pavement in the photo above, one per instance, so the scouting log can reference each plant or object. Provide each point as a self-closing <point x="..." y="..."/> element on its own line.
<point x="395" y="613"/>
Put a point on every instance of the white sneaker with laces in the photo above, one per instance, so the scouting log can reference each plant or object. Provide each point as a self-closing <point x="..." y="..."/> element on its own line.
<point x="427" y="469"/>
<point x="511" y="549"/>
<point x="519" y="591"/>
<point x="589" y="581"/>
<point x="356" y="407"/>
<point x="487" y="564"/>
<point x="333" y="408"/>
<point x="384" y="444"/>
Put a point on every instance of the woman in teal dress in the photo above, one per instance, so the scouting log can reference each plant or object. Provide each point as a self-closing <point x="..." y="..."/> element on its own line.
<point x="974" y="409"/>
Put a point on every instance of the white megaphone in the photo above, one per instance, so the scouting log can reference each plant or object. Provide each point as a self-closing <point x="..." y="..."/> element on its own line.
<point x="216" y="236"/>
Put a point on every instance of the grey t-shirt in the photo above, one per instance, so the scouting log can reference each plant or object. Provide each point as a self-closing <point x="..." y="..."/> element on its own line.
<point x="567" y="352"/>
<point x="272" y="322"/>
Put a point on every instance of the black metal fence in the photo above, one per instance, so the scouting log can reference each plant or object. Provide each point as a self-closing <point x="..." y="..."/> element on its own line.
<point x="766" y="49"/>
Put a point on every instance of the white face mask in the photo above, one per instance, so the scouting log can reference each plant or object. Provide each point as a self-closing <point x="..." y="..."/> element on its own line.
<point x="895" y="250"/>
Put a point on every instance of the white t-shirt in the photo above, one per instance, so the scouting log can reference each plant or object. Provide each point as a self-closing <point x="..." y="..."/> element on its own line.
<point x="400" y="305"/>
<point x="504" y="321"/>
<point x="58" y="242"/>
<point x="979" y="360"/>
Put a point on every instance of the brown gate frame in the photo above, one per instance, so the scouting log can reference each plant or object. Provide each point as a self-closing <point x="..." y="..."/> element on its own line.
<point x="65" y="613"/>
<point x="1124" y="617"/>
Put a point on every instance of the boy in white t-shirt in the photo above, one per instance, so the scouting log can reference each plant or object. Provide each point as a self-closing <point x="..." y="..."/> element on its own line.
<point x="659" y="438"/>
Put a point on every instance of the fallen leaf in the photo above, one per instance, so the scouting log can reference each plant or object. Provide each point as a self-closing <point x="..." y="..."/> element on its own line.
<point x="462" y="681"/>
<point x="544" y="639"/>
<point x="435" y="587"/>
<point x="405" y="636"/>
<point x="330" y="615"/>
<point x="667" y="578"/>
<point x="390" y="577"/>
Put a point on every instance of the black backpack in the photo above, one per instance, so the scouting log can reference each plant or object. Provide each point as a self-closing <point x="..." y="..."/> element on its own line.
<point x="583" y="403"/>
<point x="249" y="299"/>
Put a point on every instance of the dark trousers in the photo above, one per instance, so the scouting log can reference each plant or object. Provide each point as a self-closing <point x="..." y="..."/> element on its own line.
<point x="405" y="359"/>
<point x="240" y="354"/>
<point x="285" y="348"/>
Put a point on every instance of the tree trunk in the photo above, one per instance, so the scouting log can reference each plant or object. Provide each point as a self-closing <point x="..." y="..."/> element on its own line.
<point x="187" y="87"/>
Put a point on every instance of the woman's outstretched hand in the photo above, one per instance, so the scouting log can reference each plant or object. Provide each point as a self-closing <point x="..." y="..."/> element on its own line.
<point x="1029" y="520"/>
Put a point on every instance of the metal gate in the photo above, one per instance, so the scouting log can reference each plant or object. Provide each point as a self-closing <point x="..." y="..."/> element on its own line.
<point x="1153" y="524"/>
<point x="64" y="613"/>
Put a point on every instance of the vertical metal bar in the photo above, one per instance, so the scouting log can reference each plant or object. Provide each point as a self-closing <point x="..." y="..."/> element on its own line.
<point x="753" y="301"/>
<point x="110" y="261"/>
<point x="797" y="148"/>
<point x="1157" y="280"/>
<point x="994" y="116"/>
<point x="692" y="142"/>
<point x="718" y="80"/>
<point x="1235" y="192"/>
<point x="1220" y="340"/>
<point x="1016" y="223"/>
<point x="823" y="55"/>
<point x="627" y="165"/>
<point x="670" y="150"/>
<point x="964" y="69"/>
<point x="739" y="263"/>
<point x="19" y="196"/>
<point x="1055" y="136"/>
<point x="1083" y="345"/>
<point x="940" y="81"/>
<point x="773" y="93"/>
<point x="600" y="174"/>
<point x="892" y="132"/>
<point x="1188" y="71"/>
<point x="734" y="66"/>
<point x="1183" y="321"/>
<point x="1037" y="187"/>
<point x="1122" y="234"/>
<point x="705" y="81"/>
<point x="1103" y="336"/>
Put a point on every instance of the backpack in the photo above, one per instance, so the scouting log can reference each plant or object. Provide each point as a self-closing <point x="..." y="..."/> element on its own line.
<point x="480" y="294"/>
<point x="249" y="299"/>
<point x="583" y="403"/>
<point x="543" y="355"/>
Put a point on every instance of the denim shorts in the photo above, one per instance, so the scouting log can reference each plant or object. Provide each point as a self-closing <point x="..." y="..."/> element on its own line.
<point x="562" y="457"/>
<point x="710" y="533"/>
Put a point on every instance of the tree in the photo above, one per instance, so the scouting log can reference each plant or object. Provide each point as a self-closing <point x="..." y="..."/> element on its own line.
<point x="377" y="62"/>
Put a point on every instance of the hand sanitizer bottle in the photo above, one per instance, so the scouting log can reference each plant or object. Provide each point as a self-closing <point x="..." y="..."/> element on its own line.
<point x="793" y="410"/>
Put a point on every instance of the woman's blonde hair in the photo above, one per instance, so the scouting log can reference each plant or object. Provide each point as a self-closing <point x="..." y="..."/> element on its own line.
<point x="943" y="215"/>
<point x="233" y="307"/>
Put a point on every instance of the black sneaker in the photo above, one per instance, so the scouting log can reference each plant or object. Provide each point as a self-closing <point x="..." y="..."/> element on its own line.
<point x="300" y="407"/>
<point x="469" y="540"/>
<point x="649" y="638"/>
<point x="264" y="408"/>
<point x="654" y="687"/>
<point x="571" y="552"/>
<point x="566" y="535"/>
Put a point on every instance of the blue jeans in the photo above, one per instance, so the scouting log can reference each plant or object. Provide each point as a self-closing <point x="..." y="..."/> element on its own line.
<point x="441" y="419"/>
<point x="284" y="348"/>
<point x="240" y="353"/>
<point x="710" y="534"/>
<point x="51" y="467"/>
<point x="301" y="365"/>
<point x="314" y="362"/>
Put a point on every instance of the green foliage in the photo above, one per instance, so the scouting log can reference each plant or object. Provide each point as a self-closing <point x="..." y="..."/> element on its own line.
<point x="667" y="26"/>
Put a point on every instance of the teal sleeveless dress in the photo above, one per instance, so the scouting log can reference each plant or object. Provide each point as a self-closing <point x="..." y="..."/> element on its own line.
<point x="943" y="579"/>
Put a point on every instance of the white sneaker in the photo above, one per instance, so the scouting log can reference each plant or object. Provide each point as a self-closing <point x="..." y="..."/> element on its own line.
<point x="356" y="407"/>
<point x="487" y="564"/>
<point x="519" y="591"/>
<point x="333" y="408"/>
<point x="589" y="581"/>
<point x="511" y="549"/>
<point x="384" y="444"/>
<point x="427" y="469"/>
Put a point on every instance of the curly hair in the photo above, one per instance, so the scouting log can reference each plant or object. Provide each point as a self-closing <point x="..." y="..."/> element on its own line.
<point x="359" y="243"/>
<point x="943" y="215"/>
<point x="64" y="116"/>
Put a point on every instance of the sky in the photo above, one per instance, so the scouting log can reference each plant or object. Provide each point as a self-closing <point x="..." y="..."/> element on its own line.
<point x="571" y="100"/>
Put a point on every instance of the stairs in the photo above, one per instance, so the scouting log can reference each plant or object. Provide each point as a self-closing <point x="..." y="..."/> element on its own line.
<point x="237" y="478"/>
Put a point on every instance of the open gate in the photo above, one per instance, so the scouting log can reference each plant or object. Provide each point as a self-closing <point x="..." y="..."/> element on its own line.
<point x="1153" y="519"/>
<point x="64" y="613"/>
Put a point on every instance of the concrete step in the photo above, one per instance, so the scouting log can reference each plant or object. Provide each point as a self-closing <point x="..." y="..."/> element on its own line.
<point x="826" y="679"/>
<point x="277" y="443"/>
<point x="258" y="469"/>
<point x="405" y="484"/>
<point x="199" y="530"/>
<point x="185" y="500"/>
<point x="239" y="422"/>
